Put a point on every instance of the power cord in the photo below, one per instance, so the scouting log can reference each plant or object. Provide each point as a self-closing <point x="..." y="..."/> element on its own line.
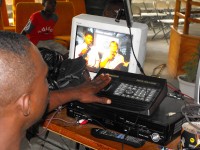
<point x="192" y="114"/>
<point x="138" y="63"/>
<point x="161" y="68"/>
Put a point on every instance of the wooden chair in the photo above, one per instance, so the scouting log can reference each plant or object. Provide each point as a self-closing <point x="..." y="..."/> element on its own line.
<point x="15" y="2"/>
<point x="79" y="6"/>
<point x="4" y="18"/>
<point x="64" y="10"/>
<point x="1" y="20"/>
<point x="23" y="13"/>
<point x="62" y="30"/>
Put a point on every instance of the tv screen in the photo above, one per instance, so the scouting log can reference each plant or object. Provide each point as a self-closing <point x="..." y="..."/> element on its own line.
<point x="105" y="43"/>
<point x="101" y="41"/>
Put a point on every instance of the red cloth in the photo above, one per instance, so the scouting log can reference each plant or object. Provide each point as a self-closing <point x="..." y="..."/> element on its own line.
<point x="40" y="29"/>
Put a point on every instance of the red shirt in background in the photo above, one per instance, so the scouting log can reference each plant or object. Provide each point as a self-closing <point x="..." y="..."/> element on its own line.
<point x="40" y="28"/>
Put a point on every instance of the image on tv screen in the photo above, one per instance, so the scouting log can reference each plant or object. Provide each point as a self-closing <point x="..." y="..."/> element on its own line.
<point x="103" y="49"/>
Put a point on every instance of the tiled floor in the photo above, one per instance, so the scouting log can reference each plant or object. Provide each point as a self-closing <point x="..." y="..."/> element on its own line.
<point x="157" y="54"/>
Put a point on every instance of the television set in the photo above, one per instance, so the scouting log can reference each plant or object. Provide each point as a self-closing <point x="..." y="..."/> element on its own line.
<point x="197" y="86"/>
<point x="106" y="30"/>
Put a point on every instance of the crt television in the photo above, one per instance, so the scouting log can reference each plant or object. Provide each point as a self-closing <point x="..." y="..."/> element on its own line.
<point x="105" y="30"/>
<point x="197" y="86"/>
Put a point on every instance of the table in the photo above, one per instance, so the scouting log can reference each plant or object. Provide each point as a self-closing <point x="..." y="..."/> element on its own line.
<point x="81" y="134"/>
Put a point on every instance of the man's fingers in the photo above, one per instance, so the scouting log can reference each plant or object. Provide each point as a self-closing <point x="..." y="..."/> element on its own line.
<point x="102" y="78"/>
<point x="103" y="100"/>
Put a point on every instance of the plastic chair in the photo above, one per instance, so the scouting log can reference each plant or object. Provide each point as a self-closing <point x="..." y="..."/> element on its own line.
<point x="171" y="7"/>
<point x="166" y="22"/>
<point x="139" y="3"/>
<point x="136" y="13"/>
<point x="15" y="2"/>
<point x="23" y="12"/>
<point x="148" y="4"/>
<point x="162" y="7"/>
<point x="149" y="15"/>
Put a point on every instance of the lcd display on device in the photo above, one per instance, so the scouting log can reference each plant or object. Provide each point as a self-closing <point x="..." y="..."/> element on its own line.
<point x="101" y="42"/>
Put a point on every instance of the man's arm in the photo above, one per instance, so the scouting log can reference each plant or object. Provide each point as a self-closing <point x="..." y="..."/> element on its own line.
<point x="23" y="32"/>
<point x="104" y="62"/>
<point x="84" y="93"/>
<point x="28" y="28"/>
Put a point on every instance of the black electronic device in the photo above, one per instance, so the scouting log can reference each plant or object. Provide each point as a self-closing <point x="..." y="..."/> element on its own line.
<point x="133" y="92"/>
<point x="118" y="137"/>
<point x="161" y="127"/>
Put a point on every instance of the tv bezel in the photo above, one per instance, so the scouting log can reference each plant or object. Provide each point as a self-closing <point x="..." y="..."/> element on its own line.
<point x="138" y="30"/>
<point x="197" y="86"/>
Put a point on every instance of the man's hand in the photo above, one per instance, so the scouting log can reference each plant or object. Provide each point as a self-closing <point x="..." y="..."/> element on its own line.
<point x="85" y="93"/>
<point x="88" y="90"/>
<point x="84" y="51"/>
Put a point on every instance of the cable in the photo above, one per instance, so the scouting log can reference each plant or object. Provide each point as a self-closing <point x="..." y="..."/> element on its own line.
<point x="161" y="67"/>
<point x="118" y="17"/>
<point x="130" y="128"/>
<point x="177" y="91"/>
<point x="126" y="134"/>
<point x="138" y="63"/>
<point x="191" y="113"/>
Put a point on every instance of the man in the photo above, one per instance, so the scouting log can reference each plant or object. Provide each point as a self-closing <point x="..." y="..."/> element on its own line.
<point x="87" y="51"/>
<point x="41" y="25"/>
<point x="112" y="9"/>
<point x="24" y="89"/>
<point x="112" y="59"/>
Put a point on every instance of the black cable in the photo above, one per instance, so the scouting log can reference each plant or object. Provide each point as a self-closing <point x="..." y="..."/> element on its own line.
<point x="191" y="113"/>
<point x="138" y="63"/>
<point x="126" y="134"/>
<point x="118" y="17"/>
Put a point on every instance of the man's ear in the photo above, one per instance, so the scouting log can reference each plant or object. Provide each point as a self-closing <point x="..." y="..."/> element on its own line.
<point x="24" y="102"/>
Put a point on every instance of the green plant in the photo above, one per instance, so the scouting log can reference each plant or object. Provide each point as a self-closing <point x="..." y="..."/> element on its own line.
<point x="191" y="66"/>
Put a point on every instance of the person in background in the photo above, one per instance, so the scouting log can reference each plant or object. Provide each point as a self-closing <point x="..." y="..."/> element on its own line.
<point x="112" y="9"/>
<point x="112" y="59"/>
<point x="88" y="51"/>
<point x="25" y="96"/>
<point x="40" y="27"/>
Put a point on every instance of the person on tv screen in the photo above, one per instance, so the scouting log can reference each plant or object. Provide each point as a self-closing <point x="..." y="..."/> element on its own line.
<point x="88" y="51"/>
<point x="112" y="59"/>
<point x="41" y="25"/>
<point x="25" y="94"/>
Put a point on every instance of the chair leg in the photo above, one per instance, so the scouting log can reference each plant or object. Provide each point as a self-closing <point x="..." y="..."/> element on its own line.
<point x="45" y="138"/>
<point x="160" y="26"/>
<point x="78" y="147"/>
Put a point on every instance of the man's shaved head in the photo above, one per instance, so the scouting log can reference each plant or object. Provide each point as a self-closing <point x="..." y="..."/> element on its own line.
<point x="16" y="66"/>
